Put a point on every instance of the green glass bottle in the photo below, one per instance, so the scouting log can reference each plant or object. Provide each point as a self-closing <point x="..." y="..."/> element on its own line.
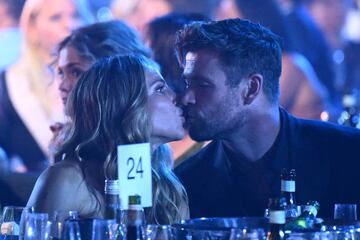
<point x="276" y="219"/>
<point x="288" y="185"/>
<point x="112" y="199"/>
<point x="135" y="219"/>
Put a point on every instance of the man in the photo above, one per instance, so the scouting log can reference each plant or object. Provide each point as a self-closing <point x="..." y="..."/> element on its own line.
<point x="232" y="69"/>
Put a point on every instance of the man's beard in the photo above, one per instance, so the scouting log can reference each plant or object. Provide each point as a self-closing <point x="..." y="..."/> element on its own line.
<point x="204" y="127"/>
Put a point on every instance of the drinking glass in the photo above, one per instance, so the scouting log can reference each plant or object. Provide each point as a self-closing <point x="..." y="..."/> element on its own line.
<point x="71" y="230"/>
<point x="159" y="232"/>
<point x="59" y="219"/>
<point x="345" y="212"/>
<point x="104" y="229"/>
<point x="37" y="226"/>
<point x="11" y="220"/>
<point x="247" y="234"/>
<point x="313" y="236"/>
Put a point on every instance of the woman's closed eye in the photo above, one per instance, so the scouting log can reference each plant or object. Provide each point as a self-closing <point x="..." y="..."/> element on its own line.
<point x="76" y="72"/>
<point x="60" y="73"/>
<point x="160" y="88"/>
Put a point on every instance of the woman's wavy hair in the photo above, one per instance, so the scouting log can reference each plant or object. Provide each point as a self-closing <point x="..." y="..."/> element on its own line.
<point x="108" y="107"/>
<point x="104" y="39"/>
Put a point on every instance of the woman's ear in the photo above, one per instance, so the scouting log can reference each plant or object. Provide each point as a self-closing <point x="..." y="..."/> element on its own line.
<point x="252" y="88"/>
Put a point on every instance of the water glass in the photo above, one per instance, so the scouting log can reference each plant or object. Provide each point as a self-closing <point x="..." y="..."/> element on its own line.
<point x="312" y="236"/>
<point x="37" y="226"/>
<point x="345" y="212"/>
<point x="196" y="234"/>
<point x="104" y="229"/>
<point x="247" y="234"/>
<point x="59" y="219"/>
<point x="11" y="220"/>
<point x="71" y="230"/>
<point x="159" y="232"/>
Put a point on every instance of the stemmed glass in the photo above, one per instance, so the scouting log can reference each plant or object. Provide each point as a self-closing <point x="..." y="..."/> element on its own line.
<point x="104" y="229"/>
<point x="71" y="231"/>
<point x="11" y="222"/>
<point x="345" y="212"/>
<point x="159" y="232"/>
<point x="37" y="226"/>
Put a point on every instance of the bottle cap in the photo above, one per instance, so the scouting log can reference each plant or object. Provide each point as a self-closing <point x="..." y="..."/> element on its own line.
<point x="135" y="200"/>
<point x="112" y="187"/>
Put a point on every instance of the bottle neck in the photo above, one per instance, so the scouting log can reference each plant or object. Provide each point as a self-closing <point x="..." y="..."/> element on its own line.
<point x="135" y="215"/>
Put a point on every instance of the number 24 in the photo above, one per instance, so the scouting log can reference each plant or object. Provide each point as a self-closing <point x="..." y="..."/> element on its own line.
<point x="139" y="169"/>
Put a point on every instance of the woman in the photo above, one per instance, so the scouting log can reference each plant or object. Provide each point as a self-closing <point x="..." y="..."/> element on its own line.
<point x="28" y="98"/>
<point x="127" y="101"/>
<point x="161" y="36"/>
<point x="301" y="93"/>
<point x="78" y="51"/>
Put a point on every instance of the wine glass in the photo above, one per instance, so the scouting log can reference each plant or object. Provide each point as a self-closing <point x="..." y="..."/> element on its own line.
<point x="159" y="232"/>
<point x="104" y="229"/>
<point x="37" y="226"/>
<point x="71" y="230"/>
<point x="345" y="212"/>
<point x="11" y="220"/>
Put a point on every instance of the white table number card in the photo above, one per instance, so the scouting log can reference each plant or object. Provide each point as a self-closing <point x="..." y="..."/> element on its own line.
<point x="134" y="172"/>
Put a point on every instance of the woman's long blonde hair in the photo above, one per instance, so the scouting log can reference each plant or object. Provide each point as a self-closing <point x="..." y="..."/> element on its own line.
<point x="108" y="107"/>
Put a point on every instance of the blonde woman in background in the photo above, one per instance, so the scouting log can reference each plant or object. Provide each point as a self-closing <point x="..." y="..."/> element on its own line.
<point x="29" y="99"/>
<point x="138" y="13"/>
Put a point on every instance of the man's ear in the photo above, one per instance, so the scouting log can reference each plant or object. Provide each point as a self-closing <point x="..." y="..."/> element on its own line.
<point x="252" y="87"/>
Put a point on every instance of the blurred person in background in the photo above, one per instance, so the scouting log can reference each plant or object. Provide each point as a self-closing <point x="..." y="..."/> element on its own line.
<point x="301" y="93"/>
<point x="78" y="51"/>
<point x="29" y="99"/>
<point x="203" y="7"/>
<point x="331" y="15"/>
<point x="352" y="26"/>
<point x="308" y="37"/>
<point x="10" y="36"/>
<point x="119" y="100"/>
<point x="161" y="34"/>
<point x="138" y="13"/>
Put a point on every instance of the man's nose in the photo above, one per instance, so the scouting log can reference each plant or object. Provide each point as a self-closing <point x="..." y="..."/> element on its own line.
<point x="189" y="97"/>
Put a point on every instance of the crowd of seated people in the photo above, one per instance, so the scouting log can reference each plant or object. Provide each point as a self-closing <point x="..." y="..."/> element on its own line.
<point x="153" y="84"/>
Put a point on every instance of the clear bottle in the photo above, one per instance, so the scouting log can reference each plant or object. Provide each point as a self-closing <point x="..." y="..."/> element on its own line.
<point x="135" y="219"/>
<point x="288" y="187"/>
<point x="112" y="199"/>
<point x="276" y="219"/>
<point x="306" y="221"/>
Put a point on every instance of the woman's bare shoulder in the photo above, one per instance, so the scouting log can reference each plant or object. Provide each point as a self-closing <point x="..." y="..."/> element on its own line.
<point x="58" y="187"/>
